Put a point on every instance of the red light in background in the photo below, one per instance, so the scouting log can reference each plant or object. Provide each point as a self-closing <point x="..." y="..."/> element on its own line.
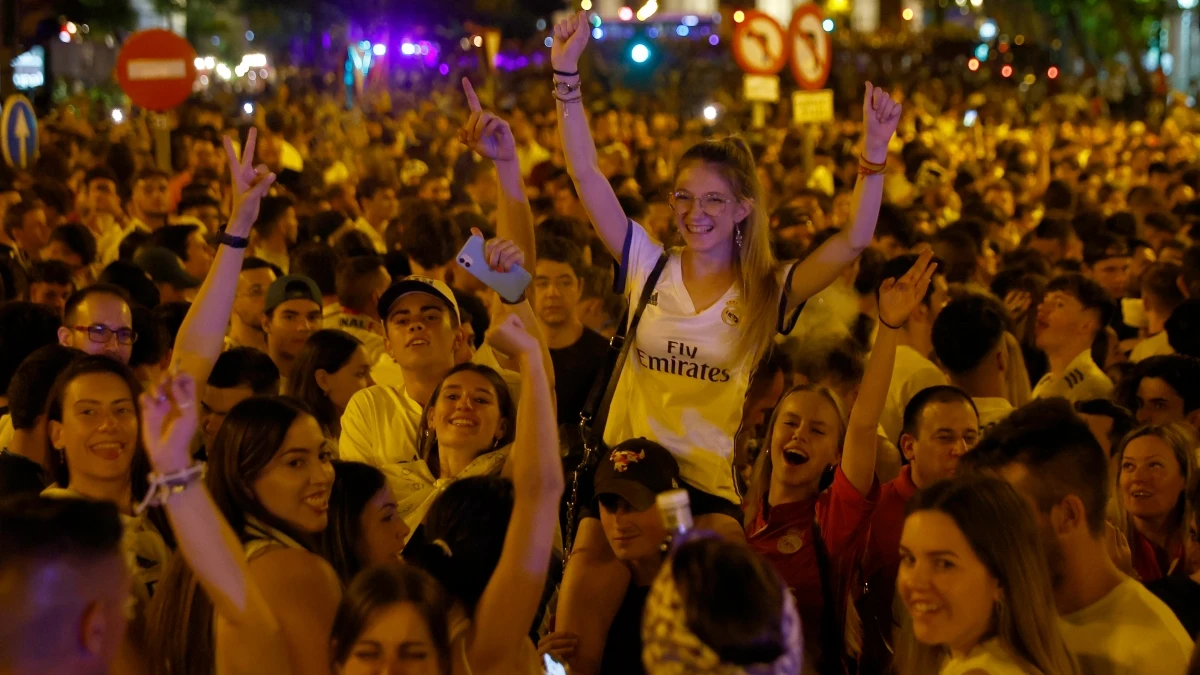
<point x="625" y="13"/>
<point x="1006" y="71"/>
<point x="1053" y="72"/>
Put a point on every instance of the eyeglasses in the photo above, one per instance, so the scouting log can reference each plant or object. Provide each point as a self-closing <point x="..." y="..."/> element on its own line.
<point x="712" y="205"/>
<point x="102" y="334"/>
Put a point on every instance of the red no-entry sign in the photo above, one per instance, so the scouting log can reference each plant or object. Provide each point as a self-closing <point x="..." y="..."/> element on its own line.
<point x="156" y="69"/>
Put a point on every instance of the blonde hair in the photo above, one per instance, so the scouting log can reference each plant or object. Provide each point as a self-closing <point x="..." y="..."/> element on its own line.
<point x="1181" y="441"/>
<point x="1000" y="529"/>
<point x="760" y="481"/>
<point x="754" y="261"/>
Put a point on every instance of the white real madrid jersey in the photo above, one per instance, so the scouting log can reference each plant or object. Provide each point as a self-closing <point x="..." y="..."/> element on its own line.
<point x="684" y="381"/>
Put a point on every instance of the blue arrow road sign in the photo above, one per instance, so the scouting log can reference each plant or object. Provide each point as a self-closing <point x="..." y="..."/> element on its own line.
<point x="19" y="125"/>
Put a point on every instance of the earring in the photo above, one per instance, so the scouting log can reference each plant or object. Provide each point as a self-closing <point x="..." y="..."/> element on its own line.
<point x="737" y="236"/>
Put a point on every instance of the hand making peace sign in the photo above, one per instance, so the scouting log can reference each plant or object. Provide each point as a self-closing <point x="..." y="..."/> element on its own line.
<point x="250" y="185"/>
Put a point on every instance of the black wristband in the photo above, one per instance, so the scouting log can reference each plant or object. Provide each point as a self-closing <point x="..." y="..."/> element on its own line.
<point x="888" y="324"/>
<point x="565" y="73"/>
<point x="230" y="240"/>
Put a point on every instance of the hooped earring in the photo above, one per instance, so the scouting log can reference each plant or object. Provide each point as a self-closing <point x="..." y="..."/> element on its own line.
<point x="737" y="235"/>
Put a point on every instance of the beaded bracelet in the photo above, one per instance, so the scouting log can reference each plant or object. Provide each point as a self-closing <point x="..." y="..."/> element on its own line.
<point x="163" y="486"/>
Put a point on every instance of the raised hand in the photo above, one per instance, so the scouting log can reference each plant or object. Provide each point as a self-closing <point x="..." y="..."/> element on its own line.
<point x="511" y="338"/>
<point x="898" y="298"/>
<point x="485" y="133"/>
<point x="250" y="185"/>
<point x="1017" y="303"/>
<point x="501" y="254"/>
<point x="880" y="116"/>
<point x="570" y="39"/>
<point x="169" y="422"/>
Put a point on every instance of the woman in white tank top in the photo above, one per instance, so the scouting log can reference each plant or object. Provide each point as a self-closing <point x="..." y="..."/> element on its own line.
<point x="717" y="306"/>
<point x="976" y="584"/>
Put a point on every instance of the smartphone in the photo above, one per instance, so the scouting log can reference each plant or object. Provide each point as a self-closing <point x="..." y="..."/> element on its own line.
<point x="553" y="667"/>
<point x="510" y="285"/>
<point x="970" y="118"/>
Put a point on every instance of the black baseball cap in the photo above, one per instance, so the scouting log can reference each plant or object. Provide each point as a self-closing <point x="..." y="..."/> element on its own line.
<point x="636" y="470"/>
<point x="164" y="267"/>
<point x="292" y="287"/>
<point x="417" y="284"/>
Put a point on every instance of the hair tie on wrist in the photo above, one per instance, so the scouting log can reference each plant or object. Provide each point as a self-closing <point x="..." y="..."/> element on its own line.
<point x="888" y="324"/>
<point x="565" y="73"/>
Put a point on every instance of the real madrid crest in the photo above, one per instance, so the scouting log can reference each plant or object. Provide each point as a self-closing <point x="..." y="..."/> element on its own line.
<point x="729" y="314"/>
<point x="791" y="542"/>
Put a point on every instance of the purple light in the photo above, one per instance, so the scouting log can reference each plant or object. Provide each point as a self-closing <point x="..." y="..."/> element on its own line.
<point x="326" y="42"/>
<point x="713" y="40"/>
<point x="444" y="69"/>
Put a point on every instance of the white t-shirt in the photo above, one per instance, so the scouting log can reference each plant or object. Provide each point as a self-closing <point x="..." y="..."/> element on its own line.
<point x="380" y="423"/>
<point x="911" y="373"/>
<point x="1127" y="632"/>
<point x="1081" y="381"/>
<point x="684" y="383"/>
<point x="1155" y="345"/>
<point x="361" y="326"/>
<point x="991" y="409"/>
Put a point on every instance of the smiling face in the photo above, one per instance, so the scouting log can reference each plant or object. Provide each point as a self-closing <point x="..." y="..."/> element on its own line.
<point x="1151" y="479"/>
<point x="100" y="309"/>
<point x="99" y="428"/>
<point x="697" y="185"/>
<point x="948" y="591"/>
<point x="466" y="415"/>
<point x="296" y="484"/>
<point x="383" y="530"/>
<point x="420" y="333"/>
<point x="632" y="534"/>
<point x="805" y="439"/>
<point x="397" y="641"/>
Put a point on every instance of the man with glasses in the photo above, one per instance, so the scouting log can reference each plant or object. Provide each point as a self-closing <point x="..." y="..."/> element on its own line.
<point x="98" y="320"/>
<point x="249" y="305"/>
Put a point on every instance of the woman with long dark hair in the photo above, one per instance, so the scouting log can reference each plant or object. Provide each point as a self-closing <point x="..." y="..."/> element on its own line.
<point x="467" y="430"/>
<point x="270" y="476"/>
<point x="364" y="527"/>
<point x="93" y="421"/>
<point x="330" y="368"/>
<point x="488" y="539"/>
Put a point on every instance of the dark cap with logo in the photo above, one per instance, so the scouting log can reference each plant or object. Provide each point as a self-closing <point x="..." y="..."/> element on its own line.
<point x="636" y="470"/>
<point x="417" y="284"/>
<point x="292" y="287"/>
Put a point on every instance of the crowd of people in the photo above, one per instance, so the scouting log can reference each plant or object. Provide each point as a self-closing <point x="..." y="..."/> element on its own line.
<point x="931" y="394"/>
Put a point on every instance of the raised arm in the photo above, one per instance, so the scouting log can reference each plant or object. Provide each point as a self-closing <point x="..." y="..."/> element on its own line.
<point x="509" y="603"/>
<point x="491" y="137"/>
<point x="502" y="255"/>
<point x="206" y="541"/>
<point x="880" y="116"/>
<point x="897" y="298"/>
<point x="570" y="38"/>
<point x="202" y="333"/>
